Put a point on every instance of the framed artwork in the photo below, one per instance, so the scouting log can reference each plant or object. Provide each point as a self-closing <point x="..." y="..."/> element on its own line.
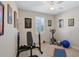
<point x="1" y="19"/>
<point x="9" y="9"/>
<point x="15" y="18"/>
<point x="61" y="23"/>
<point x="71" y="22"/>
<point x="49" y="22"/>
<point x="28" y="23"/>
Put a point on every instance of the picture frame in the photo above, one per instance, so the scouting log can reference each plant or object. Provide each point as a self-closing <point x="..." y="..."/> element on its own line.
<point x="1" y="19"/>
<point x="71" y="22"/>
<point x="28" y="23"/>
<point x="9" y="10"/>
<point x="49" y="22"/>
<point x="15" y="18"/>
<point x="61" y="23"/>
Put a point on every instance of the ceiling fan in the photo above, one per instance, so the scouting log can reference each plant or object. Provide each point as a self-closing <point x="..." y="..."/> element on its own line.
<point x="54" y="2"/>
<point x="51" y="4"/>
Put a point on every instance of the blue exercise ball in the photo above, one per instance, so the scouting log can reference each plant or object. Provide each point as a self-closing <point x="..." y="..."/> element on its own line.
<point x="65" y="44"/>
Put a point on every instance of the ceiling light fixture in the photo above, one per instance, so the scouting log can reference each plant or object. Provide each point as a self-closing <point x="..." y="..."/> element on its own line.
<point x="51" y="8"/>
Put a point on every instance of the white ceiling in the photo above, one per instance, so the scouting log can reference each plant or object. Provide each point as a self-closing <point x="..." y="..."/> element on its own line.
<point x="44" y="6"/>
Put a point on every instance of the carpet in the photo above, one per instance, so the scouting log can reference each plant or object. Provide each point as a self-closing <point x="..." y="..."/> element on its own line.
<point x="59" y="53"/>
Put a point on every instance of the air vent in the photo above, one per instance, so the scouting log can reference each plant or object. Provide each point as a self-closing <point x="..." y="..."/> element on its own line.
<point x="59" y="2"/>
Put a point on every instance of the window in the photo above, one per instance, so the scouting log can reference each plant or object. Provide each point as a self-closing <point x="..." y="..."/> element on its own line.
<point x="39" y="24"/>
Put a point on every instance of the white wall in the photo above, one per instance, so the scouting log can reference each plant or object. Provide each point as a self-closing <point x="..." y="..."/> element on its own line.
<point x="23" y="31"/>
<point x="69" y="33"/>
<point x="8" y="40"/>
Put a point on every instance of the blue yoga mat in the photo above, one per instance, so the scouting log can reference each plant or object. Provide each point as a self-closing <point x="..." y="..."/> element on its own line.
<point x="59" y="53"/>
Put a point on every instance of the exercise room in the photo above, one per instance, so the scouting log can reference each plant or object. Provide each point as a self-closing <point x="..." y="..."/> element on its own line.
<point x="39" y="28"/>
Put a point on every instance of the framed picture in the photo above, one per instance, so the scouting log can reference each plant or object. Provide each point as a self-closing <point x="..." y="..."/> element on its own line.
<point x="28" y="23"/>
<point x="61" y="23"/>
<point x="15" y="18"/>
<point x="71" y="22"/>
<point x="1" y="19"/>
<point x="49" y="22"/>
<point x="9" y="14"/>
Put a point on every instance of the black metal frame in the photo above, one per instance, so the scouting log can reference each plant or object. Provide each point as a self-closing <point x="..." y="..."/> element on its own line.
<point x="40" y="44"/>
<point x="19" y="49"/>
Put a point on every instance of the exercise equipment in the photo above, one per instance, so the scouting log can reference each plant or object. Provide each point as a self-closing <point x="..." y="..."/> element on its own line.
<point x="30" y="45"/>
<point x="59" y="52"/>
<point x="65" y="43"/>
<point x="53" y="40"/>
